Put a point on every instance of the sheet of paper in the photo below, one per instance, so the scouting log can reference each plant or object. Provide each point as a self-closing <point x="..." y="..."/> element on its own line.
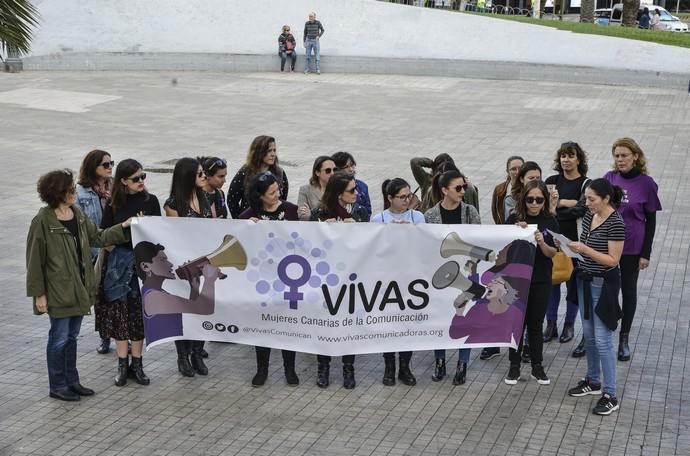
<point x="564" y="245"/>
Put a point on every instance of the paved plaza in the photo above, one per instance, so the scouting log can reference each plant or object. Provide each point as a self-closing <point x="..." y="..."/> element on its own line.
<point x="51" y="119"/>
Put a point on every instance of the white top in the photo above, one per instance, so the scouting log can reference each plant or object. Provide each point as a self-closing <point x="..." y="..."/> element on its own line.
<point x="409" y="216"/>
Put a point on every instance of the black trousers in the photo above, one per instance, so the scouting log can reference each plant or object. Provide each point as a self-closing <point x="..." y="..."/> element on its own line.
<point x="404" y="356"/>
<point x="264" y="353"/>
<point x="534" y="319"/>
<point x="347" y="359"/>
<point x="630" y="271"/>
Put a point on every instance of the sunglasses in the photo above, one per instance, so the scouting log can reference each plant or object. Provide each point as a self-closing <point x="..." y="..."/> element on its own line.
<point x="534" y="200"/>
<point x="264" y="177"/>
<point x="328" y="170"/>
<point x="108" y="165"/>
<point x="461" y="188"/>
<point x="220" y="163"/>
<point x="200" y="174"/>
<point x="352" y="190"/>
<point x="135" y="179"/>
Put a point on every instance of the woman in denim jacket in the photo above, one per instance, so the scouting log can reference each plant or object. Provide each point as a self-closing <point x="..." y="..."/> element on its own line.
<point x="93" y="193"/>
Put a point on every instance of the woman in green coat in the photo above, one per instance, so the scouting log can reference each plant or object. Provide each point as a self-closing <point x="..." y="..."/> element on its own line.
<point x="60" y="275"/>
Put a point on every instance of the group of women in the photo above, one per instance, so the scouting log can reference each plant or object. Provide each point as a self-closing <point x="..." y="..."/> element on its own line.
<point x="610" y="222"/>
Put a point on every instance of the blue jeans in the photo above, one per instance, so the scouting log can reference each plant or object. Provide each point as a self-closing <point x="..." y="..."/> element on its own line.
<point x="61" y="352"/>
<point x="316" y="46"/>
<point x="554" y="301"/>
<point x="601" y="355"/>
<point x="463" y="355"/>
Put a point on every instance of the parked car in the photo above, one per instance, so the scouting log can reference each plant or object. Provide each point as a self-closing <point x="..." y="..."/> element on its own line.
<point x="602" y="16"/>
<point x="668" y="22"/>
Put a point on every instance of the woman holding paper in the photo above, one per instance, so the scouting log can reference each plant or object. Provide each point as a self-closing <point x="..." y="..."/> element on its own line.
<point x="598" y="285"/>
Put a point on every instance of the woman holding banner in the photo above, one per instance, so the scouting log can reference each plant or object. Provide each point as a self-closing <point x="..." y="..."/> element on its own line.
<point x="339" y="204"/>
<point x="263" y="196"/>
<point x="310" y="194"/>
<point x="452" y="210"/>
<point x="396" y="201"/>
<point x="188" y="199"/>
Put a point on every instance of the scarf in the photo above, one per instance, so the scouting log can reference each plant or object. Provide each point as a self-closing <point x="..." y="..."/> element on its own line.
<point x="103" y="192"/>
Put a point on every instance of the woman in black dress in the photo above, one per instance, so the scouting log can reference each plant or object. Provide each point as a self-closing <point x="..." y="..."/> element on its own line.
<point x="122" y="319"/>
<point x="263" y="195"/>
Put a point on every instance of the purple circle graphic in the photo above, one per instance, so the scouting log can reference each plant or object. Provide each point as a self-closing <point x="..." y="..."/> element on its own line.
<point x="332" y="280"/>
<point x="315" y="282"/>
<point x="269" y="248"/>
<point x="294" y="235"/>
<point x="278" y="285"/>
<point x="264" y="304"/>
<point x="322" y="267"/>
<point x="294" y="259"/>
<point x="263" y="287"/>
<point x="270" y="261"/>
<point x="316" y="252"/>
<point x="299" y="242"/>
<point x="353" y="276"/>
<point x="290" y="245"/>
<point x="271" y="235"/>
<point x="255" y="261"/>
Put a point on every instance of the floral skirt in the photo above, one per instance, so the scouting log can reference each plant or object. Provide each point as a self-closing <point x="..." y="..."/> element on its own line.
<point x="121" y="320"/>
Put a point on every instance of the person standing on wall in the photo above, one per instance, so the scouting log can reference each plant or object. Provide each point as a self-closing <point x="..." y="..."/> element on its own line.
<point x="313" y="31"/>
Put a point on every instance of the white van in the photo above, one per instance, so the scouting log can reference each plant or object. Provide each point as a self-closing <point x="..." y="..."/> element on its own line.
<point x="668" y="22"/>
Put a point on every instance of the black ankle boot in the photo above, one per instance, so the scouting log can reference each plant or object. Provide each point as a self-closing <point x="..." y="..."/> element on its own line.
<point x="389" y="372"/>
<point x="289" y="367"/>
<point x="104" y="347"/>
<point x="349" y="376"/>
<point x="122" y="371"/>
<point x="579" y="351"/>
<point x="263" y="355"/>
<point x="405" y="374"/>
<point x="460" y="374"/>
<point x="567" y="334"/>
<point x="183" y="364"/>
<point x="136" y="371"/>
<point x="551" y="331"/>
<point x="322" y="374"/>
<point x="439" y="370"/>
<point x="197" y="358"/>
<point x="623" y="348"/>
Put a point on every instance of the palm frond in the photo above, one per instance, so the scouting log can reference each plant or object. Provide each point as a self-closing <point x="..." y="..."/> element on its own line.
<point x="18" y="18"/>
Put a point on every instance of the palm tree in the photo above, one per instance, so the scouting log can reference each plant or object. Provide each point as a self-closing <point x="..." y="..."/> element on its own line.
<point x="17" y="19"/>
<point x="587" y="11"/>
<point x="630" y="8"/>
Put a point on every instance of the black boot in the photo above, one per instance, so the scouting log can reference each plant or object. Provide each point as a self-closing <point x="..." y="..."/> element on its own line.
<point x="568" y="333"/>
<point x="579" y="351"/>
<point x="136" y="371"/>
<point x="262" y="356"/>
<point x="439" y="370"/>
<point x="183" y="364"/>
<point x="104" y="347"/>
<point x="623" y="349"/>
<point x="551" y="331"/>
<point x="322" y="374"/>
<point x="405" y="374"/>
<point x="289" y="366"/>
<point x="349" y="376"/>
<point x="122" y="371"/>
<point x="460" y="374"/>
<point x="389" y="371"/>
<point x="197" y="358"/>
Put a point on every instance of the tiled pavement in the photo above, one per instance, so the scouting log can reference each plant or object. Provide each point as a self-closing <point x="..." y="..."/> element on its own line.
<point x="384" y="121"/>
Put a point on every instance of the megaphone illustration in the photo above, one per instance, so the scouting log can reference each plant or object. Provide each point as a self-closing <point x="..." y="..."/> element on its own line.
<point x="450" y="275"/>
<point x="230" y="253"/>
<point x="453" y="244"/>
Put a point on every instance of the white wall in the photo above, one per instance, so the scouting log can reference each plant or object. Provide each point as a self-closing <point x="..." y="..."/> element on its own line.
<point x="353" y="28"/>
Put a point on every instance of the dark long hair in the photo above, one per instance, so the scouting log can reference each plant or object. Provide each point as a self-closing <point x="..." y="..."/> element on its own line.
<point x="314" y="180"/>
<point x="436" y="184"/>
<point x="211" y="165"/>
<point x="439" y="161"/>
<point x="391" y="187"/>
<point x="124" y="169"/>
<point x="524" y="169"/>
<point x="257" y="188"/>
<point x="604" y="188"/>
<point x="87" y="172"/>
<point x="335" y="187"/>
<point x="521" y="207"/>
<point x="255" y="158"/>
<point x="571" y="148"/>
<point x="184" y="187"/>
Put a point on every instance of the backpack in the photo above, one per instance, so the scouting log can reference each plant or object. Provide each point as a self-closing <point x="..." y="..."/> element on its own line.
<point x="289" y="46"/>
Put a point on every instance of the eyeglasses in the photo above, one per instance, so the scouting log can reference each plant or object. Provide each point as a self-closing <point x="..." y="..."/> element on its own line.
<point x="135" y="179"/>
<point x="328" y="170"/>
<point x="351" y="190"/>
<point x="108" y="165"/>
<point x="534" y="200"/>
<point x="404" y="197"/>
<point x="200" y="174"/>
<point x="220" y="163"/>
<point x="461" y="188"/>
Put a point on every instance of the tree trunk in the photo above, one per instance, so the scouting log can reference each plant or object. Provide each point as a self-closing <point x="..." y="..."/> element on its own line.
<point x="587" y="11"/>
<point x="630" y="8"/>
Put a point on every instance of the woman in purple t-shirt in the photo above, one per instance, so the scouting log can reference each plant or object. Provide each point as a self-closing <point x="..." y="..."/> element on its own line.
<point x="638" y="210"/>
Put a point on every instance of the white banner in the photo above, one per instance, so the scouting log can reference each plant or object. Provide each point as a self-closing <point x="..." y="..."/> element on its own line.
<point x="333" y="288"/>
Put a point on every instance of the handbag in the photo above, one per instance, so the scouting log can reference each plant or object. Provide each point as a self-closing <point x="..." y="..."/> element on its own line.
<point x="562" y="268"/>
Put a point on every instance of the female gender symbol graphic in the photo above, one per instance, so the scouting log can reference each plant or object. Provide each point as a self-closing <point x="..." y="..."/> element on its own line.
<point x="293" y="295"/>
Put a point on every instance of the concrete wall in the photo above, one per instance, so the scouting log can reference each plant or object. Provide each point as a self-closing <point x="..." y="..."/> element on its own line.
<point x="356" y="28"/>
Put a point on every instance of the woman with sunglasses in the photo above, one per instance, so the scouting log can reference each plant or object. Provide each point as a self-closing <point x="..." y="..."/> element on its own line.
<point x="345" y="162"/>
<point x="452" y="210"/>
<point x="122" y="318"/>
<point x="533" y="209"/>
<point x="216" y="170"/>
<point x="339" y="204"/>
<point x="188" y="199"/>
<point x="310" y="195"/>
<point x="93" y="193"/>
<point x="287" y="48"/>
<point x="60" y="276"/>
<point x="262" y="157"/>
<point x="396" y="202"/>
<point x="265" y="204"/>
<point x="570" y="163"/>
